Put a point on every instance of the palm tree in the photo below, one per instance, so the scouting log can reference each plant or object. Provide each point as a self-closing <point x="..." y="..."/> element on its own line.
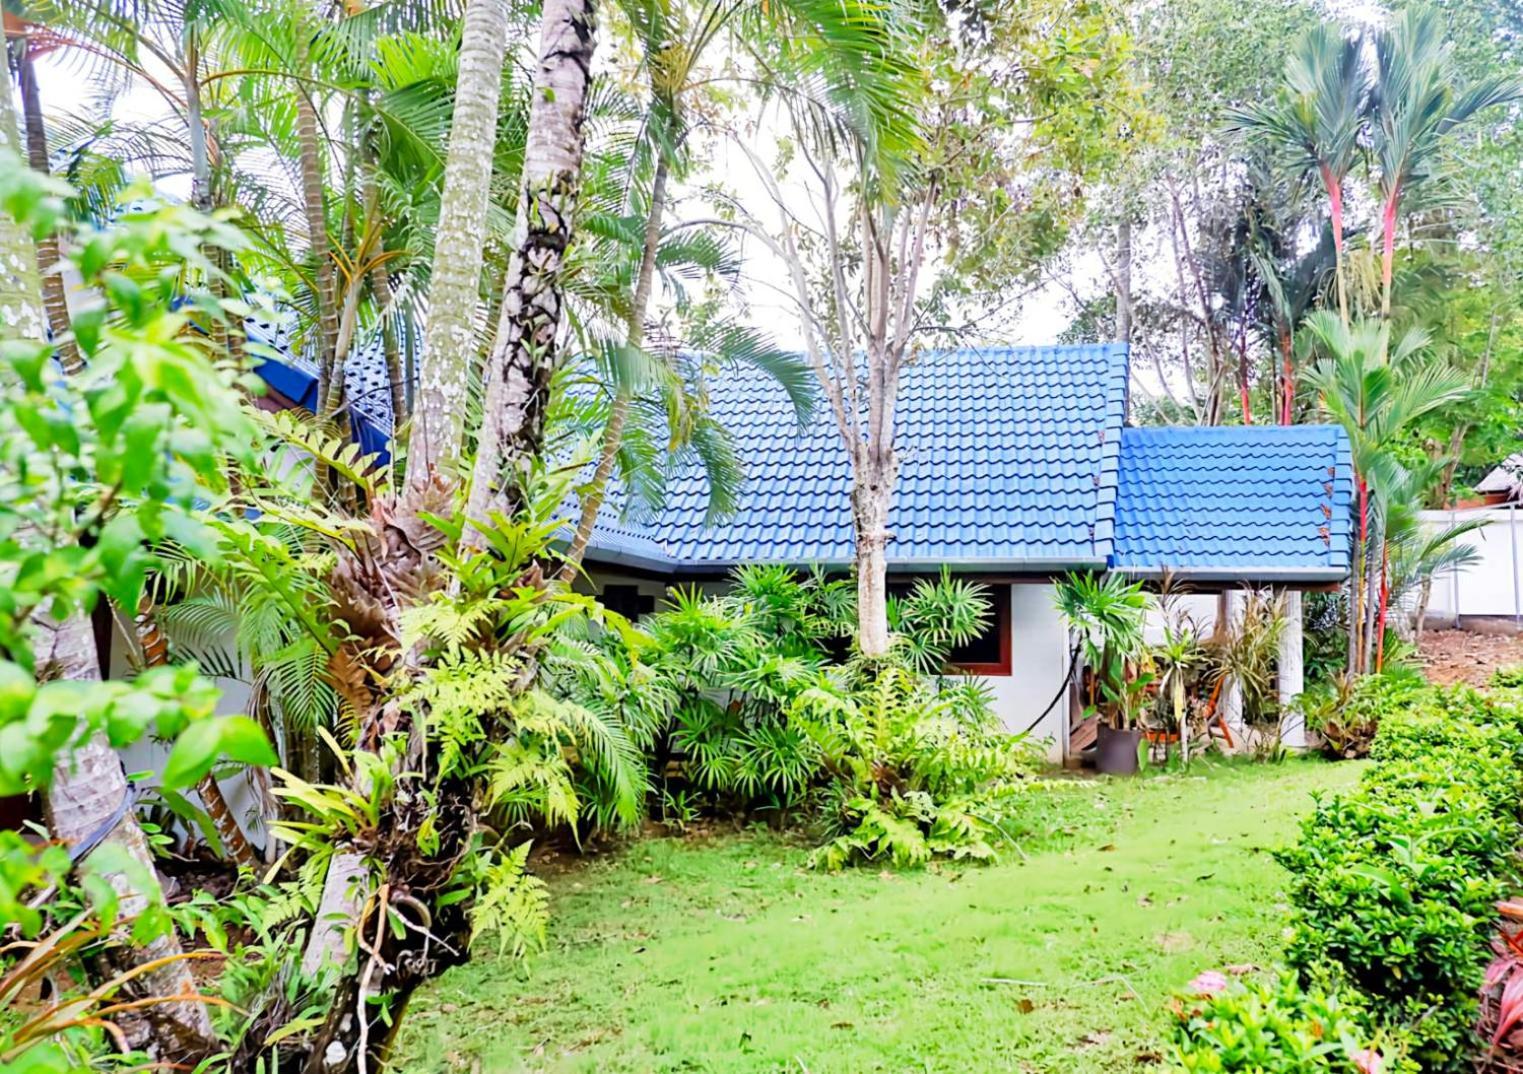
<point x="450" y="339"/>
<point x="523" y="355"/>
<point x="1418" y="98"/>
<point x="832" y="62"/>
<point x="24" y="48"/>
<point x="1376" y="391"/>
<point x="1312" y="125"/>
<point x="1412" y="552"/>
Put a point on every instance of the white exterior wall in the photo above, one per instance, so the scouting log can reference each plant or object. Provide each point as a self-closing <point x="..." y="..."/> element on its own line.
<point x="1493" y="585"/>
<point x="1039" y="656"/>
<point x="147" y="756"/>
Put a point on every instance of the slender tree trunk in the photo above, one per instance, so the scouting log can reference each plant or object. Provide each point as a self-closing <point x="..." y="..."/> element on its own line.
<point x="871" y="502"/>
<point x="1288" y="377"/>
<point x="87" y="796"/>
<point x="89" y="785"/>
<point x="54" y="300"/>
<point x="523" y="354"/>
<point x="1334" y="187"/>
<point x="438" y="419"/>
<point x="618" y="414"/>
<point x="330" y="387"/>
<point x="1124" y="281"/>
<point x="396" y="379"/>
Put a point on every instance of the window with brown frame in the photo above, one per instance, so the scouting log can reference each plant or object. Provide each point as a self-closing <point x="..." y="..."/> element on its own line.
<point x="989" y="653"/>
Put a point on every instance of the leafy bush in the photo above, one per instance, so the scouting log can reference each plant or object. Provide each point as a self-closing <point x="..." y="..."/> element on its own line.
<point x="892" y="761"/>
<point x="1275" y="1028"/>
<point x="916" y="769"/>
<point x="1393" y="885"/>
<point x="1346" y="713"/>
<point x="1508" y="678"/>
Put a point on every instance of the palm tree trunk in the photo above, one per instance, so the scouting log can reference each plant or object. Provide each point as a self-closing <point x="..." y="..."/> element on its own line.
<point x="86" y="802"/>
<point x="438" y="419"/>
<point x="325" y="290"/>
<point x="1334" y="187"/>
<point x="523" y="354"/>
<point x="54" y="301"/>
<point x="613" y="432"/>
<point x="396" y="381"/>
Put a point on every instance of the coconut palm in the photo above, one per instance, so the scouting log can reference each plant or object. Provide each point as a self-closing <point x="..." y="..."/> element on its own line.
<point x="450" y="338"/>
<point x="524" y="350"/>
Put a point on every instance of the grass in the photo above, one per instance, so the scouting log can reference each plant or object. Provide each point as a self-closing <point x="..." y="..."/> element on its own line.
<point x="727" y="954"/>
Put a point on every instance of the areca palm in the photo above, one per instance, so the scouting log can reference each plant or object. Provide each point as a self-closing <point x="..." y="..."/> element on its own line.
<point x="1376" y="389"/>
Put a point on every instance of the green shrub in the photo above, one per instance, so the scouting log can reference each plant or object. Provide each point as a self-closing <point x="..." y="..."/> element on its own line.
<point x="917" y="769"/>
<point x="755" y="706"/>
<point x="1346" y="715"/>
<point x="1508" y="678"/>
<point x="1277" y="1028"/>
<point x="1393" y="885"/>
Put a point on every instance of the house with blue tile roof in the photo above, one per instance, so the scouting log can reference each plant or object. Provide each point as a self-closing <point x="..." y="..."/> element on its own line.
<point x="1017" y="466"/>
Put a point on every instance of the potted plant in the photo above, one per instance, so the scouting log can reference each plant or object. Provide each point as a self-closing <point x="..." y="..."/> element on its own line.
<point x="1107" y="613"/>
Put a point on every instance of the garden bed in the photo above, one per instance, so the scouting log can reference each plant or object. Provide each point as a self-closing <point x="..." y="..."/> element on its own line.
<point x="725" y="953"/>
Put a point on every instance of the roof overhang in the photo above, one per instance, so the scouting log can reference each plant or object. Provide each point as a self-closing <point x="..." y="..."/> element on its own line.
<point x="1246" y="576"/>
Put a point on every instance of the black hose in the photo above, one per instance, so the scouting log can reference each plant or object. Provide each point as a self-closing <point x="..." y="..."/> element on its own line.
<point x="1073" y="662"/>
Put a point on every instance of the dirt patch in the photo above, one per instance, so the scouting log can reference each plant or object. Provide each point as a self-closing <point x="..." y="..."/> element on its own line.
<point x="1451" y="656"/>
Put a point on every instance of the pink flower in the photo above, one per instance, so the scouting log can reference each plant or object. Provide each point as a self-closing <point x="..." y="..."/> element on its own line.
<point x="1368" y="1060"/>
<point x="1209" y="983"/>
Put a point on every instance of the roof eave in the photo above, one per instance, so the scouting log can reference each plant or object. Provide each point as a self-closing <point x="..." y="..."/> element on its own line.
<point x="1243" y="575"/>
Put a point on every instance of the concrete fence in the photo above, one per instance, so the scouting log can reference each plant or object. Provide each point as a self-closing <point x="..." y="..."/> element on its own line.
<point x="1492" y="586"/>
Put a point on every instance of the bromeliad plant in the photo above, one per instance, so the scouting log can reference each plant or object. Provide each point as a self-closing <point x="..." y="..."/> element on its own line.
<point x="1108" y="614"/>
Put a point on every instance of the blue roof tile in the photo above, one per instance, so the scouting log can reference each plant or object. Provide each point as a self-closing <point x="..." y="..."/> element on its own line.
<point x="1227" y="502"/>
<point x="1011" y="458"/>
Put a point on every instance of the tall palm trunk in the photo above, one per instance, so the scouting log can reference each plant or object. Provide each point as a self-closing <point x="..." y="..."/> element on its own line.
<point x="523" y="354"/>
<point x="89" y="786"/>
<point x="618" y="414"/>
<point x="54" y="300"/>
<point x="309" y="153"/>
<point x="438" y="419"/>
<point x="91" y="800"/>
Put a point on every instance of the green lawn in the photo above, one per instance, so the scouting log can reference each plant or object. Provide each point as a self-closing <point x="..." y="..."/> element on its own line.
<point x="725" y="954"/>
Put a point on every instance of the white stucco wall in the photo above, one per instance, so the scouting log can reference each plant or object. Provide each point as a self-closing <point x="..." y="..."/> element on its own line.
<point x="1492" y="586"/>
<point x="1038" y="656"/>
<point x="1038" y="662"/>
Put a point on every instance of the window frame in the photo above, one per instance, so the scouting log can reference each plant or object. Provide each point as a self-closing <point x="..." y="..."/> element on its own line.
<point x="1001" y="599"/>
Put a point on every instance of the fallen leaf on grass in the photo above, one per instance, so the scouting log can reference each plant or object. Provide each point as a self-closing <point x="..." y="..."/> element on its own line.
<point x="1025" y="1006"/>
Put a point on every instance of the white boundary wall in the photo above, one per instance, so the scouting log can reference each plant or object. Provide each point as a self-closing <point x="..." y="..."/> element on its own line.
<point x="1492" y="586"/>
